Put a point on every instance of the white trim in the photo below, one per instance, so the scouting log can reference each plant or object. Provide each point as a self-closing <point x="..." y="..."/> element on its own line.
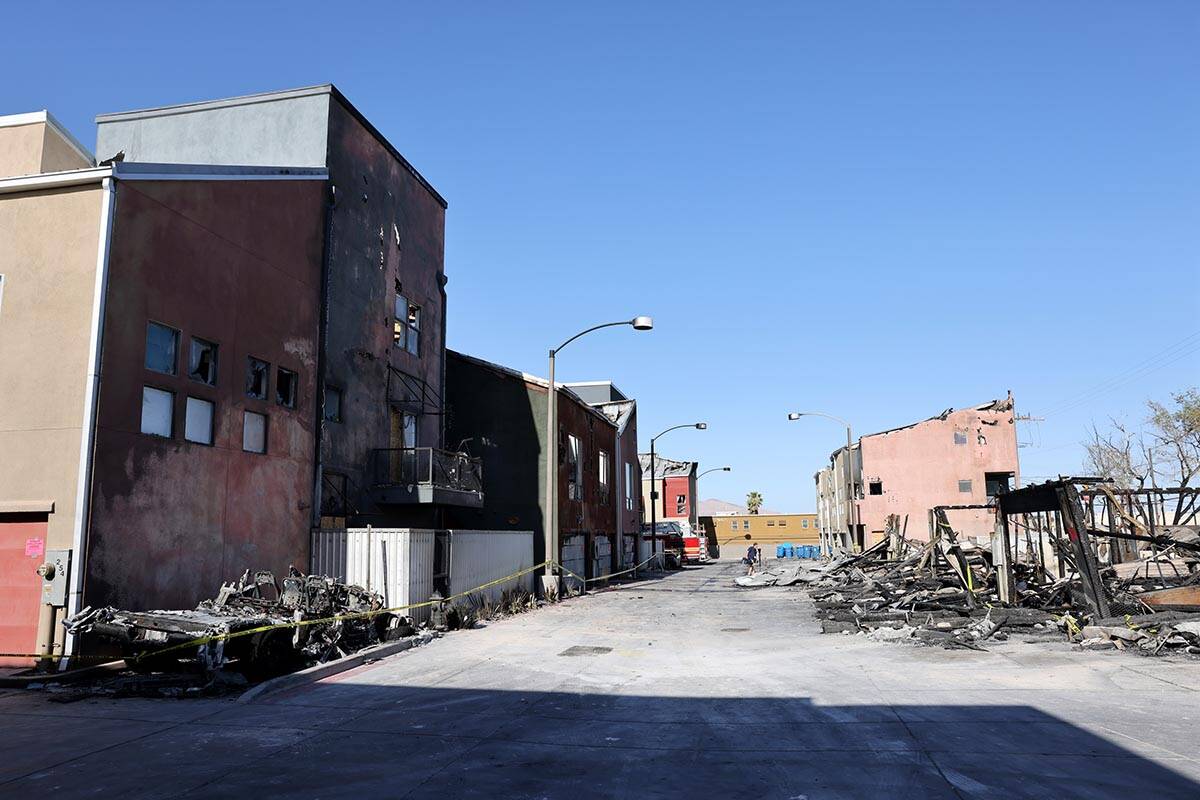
<point x="52" y="180"/>
<point x="159" y="172"/>
<point x="26" y="506"/>
<point x="208" y="176"/>
<point x="29" y="118"/>
<point x="44" y="116"/>
<point x="90" y="398"/>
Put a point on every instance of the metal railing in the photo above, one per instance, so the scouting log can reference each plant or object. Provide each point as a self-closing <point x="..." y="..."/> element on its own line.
<point x="427" y="466"/>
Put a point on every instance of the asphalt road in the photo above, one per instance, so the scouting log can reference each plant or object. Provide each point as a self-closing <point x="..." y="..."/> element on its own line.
<point x="679" y="687"/>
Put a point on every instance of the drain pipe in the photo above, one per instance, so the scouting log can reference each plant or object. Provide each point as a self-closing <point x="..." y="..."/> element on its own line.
<point x="87" y="443"/>
<point x="322" y="346"/>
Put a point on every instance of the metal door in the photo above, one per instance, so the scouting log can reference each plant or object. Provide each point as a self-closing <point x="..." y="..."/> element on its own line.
<point x="22" y="550"/>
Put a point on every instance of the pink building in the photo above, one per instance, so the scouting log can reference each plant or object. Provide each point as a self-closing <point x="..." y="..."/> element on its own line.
<point x="957" y="458"/>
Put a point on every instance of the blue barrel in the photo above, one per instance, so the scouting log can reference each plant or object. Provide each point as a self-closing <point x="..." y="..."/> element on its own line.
<point x="791" y="551"/>
<point x="779" y="551"/>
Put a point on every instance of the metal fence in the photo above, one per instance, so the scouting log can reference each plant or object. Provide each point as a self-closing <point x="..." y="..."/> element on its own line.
<point x="427" y="466"/>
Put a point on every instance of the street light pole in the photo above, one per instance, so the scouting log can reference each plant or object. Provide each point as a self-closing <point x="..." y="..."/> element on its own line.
<point x="550" y="517"/>
<point x="700" y="426"/>
<point x="849" y="477"/>
<point x="714" y="469"/>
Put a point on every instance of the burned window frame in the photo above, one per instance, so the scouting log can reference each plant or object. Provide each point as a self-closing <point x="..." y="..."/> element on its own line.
<point x="151" y="325"/>
<point x="253" y="365"/>
<point x="574" y="464"/>
<point x="875" y="488"/>
<point x="603" y="468"/>
<point x="192" y="366"/>
<point x="406" y="325"/>
<point x="340" y="394"/>
<point x="990" y="478"/>
<point x="293" y="380"/>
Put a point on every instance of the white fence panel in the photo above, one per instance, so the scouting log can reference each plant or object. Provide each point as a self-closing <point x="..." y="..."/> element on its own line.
<point x="396" y="562"/>
<point x="479" y="557"/>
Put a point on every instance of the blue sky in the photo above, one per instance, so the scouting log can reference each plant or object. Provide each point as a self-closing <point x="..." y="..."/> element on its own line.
<point x="873" y="210"/>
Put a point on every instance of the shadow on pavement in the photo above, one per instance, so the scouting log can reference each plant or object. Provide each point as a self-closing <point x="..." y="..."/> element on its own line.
<point x="354" y="739"/>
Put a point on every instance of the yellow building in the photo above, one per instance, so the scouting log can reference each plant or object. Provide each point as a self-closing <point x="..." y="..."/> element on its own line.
<point x="733" y="533"/>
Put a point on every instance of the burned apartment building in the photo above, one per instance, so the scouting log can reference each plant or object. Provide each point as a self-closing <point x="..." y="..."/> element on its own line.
<point x="959" y="458"/>
<point x="382" y="328"/>
<point x="224" y="337"/>
<point x="499" y="415"/>
<point x="158" y="339"/>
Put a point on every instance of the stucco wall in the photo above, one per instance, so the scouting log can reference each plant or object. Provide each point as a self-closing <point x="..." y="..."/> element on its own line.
<point x="289" y="133"/>
<point x="919" y="467"/>
<point x="236" y="263"/>
<point x="48" y="260"/>
<point x="21" y="149"/>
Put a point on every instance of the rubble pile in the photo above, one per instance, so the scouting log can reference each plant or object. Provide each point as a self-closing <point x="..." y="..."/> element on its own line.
<point x="255" y="627"/>
<point x="946" y="593"/>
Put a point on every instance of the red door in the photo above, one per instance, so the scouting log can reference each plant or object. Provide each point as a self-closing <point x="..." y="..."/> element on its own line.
<point x="22" y="551"/>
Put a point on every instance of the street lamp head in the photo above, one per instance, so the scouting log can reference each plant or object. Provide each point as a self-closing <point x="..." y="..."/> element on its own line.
<point x="725" y="469"/>
<point x="701" y="426"/>
<point x="794" y="415"/>
<point x="642" y="323"/>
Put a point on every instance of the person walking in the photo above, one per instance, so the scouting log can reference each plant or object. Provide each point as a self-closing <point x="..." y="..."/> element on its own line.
<point x="751" y="558"/>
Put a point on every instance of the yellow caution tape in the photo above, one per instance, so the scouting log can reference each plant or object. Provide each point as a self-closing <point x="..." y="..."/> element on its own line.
<point x="218" y="637"/>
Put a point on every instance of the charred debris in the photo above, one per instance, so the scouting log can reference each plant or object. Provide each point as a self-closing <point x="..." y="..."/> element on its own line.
<point x="256" y="628"/>
<point x="1072" y="558"/>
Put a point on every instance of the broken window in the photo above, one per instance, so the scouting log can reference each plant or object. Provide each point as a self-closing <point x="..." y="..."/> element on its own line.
<point x="285" y="387"/>
<point x="254" y="432"/>
<point x="628" y="486"/>
<point x="406" y="325"/>
<point x="602" y="465"/>
<point x="960" y="437"/>
<point x="198" y="421"/>
<point x="964" y="486"/>
<point x="202" y="362"/>
<point x="680" y="504"/>
<point x="333" y="404"/>
<point x="333" y="495"/>
<point x="574" y="468"/>
<point x="257" y="378"/>
<point x="997" y="483"/>
<point x="875" y="487"/>
<point x="162" y="343"/>
<point x="158" y="407"/>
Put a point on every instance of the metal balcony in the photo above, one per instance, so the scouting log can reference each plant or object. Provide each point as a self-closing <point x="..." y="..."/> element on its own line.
<point x="425" y="475"/>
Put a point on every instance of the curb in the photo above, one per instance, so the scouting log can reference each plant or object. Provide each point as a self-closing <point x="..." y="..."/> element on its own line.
<point x="319" y="671"/>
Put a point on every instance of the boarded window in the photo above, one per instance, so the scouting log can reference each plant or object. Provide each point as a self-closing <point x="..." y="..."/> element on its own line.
<point x="157" y="411"/>
<point x="333" y="404"/>
<point x="964" y="487"/>
<point x="285" y="387"/>
<point x="202" y="362"/>
<point x="198" y="421"/>
<point x="254" y="432"/>
<point x="257" y="377"/>
<point x="960" y="437"/>
<point x="162" y="345"/>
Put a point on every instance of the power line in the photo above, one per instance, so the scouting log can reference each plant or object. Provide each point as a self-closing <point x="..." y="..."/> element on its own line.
<point x="1176" y="352"/>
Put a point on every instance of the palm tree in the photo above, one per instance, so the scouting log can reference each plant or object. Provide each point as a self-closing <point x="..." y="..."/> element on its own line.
<point x="753" y="502"/>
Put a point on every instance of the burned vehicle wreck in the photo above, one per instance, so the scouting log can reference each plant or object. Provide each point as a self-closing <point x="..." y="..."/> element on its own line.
<point x="257" y="626"/>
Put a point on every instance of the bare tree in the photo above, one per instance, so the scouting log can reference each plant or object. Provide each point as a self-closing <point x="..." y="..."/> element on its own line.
<point x="1162" y="452"/>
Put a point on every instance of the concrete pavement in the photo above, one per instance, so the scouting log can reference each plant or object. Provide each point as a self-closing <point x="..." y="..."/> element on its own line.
<point x="679" y="687"/>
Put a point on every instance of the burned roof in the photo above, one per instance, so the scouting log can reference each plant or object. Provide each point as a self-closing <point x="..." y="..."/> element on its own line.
<point x="666" y="467"/>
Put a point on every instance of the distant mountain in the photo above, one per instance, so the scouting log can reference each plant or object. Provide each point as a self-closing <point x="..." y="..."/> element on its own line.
<point x="716" y="508"/>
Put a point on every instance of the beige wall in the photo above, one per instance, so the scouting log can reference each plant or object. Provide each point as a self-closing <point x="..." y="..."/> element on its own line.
<point x="21" y="149"/>
<point x="766" y="529"/>
<point x="36" y="148"/>
<point x="48" y="262"/>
